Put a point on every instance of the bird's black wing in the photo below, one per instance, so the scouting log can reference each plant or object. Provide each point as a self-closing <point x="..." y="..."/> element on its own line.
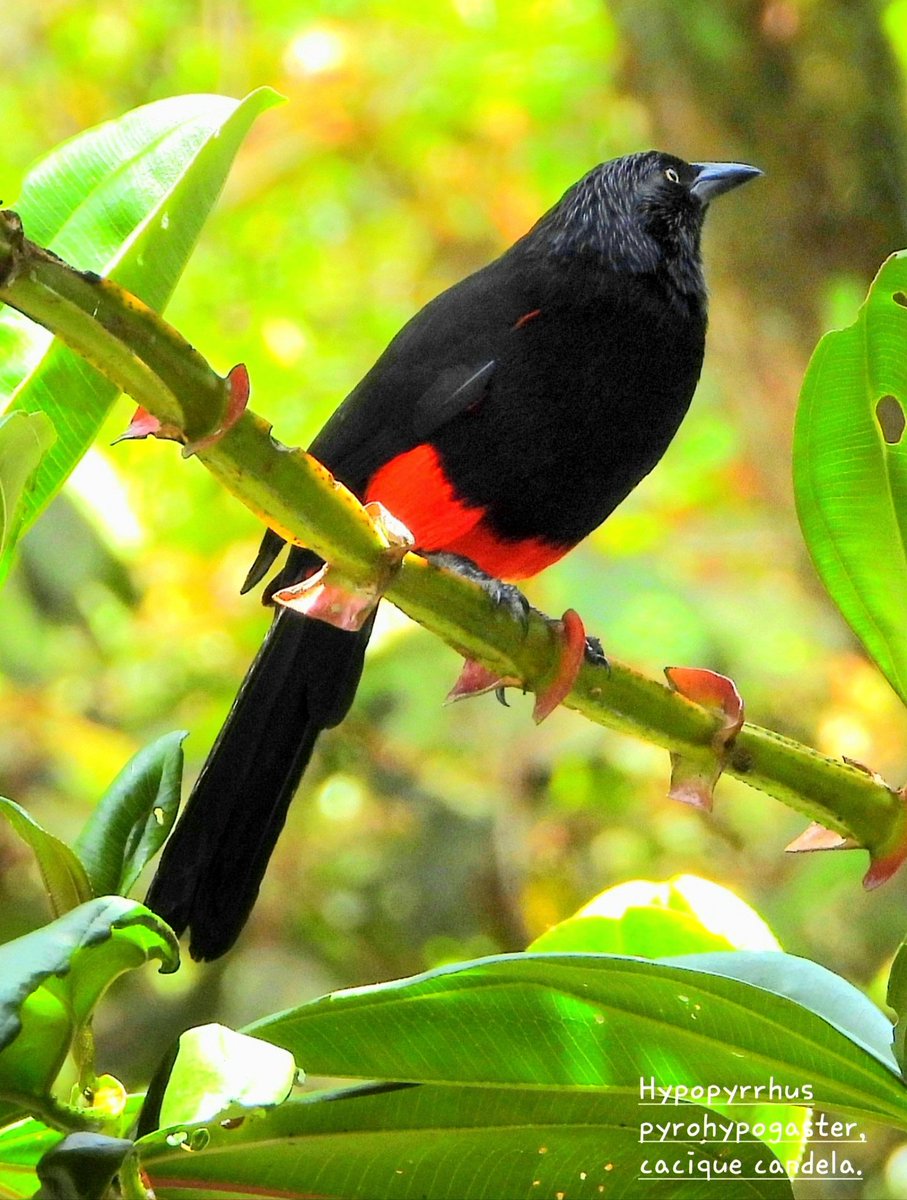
<point x="453" y="391"/>
<point x="440" y="364"/>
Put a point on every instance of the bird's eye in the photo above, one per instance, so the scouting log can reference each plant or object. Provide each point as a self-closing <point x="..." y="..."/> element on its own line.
<point x="671" y="175"/>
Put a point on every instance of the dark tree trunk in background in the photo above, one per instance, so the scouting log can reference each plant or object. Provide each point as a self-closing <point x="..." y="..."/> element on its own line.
<point x="813" y="94"/>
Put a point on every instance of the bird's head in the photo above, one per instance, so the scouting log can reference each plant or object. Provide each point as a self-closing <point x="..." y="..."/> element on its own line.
<point x="642" y="213"/>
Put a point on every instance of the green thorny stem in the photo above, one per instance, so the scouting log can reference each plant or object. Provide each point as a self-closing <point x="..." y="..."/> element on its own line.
<point x="146" y="358"/>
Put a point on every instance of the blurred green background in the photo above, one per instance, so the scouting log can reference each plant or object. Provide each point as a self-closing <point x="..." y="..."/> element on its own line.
<point x="418" y="140"/>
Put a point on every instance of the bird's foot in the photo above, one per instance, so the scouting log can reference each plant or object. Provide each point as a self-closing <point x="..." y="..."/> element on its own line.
<point x="594" y="654"/>
<point x="504" y="595"/>
<point x="573" y="648"/>
<point x="474" y="679"/>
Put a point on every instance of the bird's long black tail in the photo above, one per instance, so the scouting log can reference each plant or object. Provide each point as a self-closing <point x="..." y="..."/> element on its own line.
<point x="302" y="681"/>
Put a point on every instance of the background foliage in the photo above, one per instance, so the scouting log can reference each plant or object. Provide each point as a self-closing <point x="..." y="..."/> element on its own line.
<point x="417" y="141"/>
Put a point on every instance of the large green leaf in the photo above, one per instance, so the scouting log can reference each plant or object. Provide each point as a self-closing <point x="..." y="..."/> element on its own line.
<point x="594" y="1022"/>
<point x="685" y="915"/>
<point x="850" y="469"/>
<point x="810" y="985"/>
<point x="51" y="980"/>
<point x="446" y="1143"/>
<point x="133" y="818"/>
<point x="127" y="199"/>
<point x="24" y="440"/>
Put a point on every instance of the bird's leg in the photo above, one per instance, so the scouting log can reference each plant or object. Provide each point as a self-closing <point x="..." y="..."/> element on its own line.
<point x="474" y="679"/>
<point x="506" y="595"/>
<point x="574" y="646"/>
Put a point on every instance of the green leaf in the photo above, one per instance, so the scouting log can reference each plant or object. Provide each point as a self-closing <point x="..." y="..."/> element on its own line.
<point x="22" y="343"/>
<point x="133" y="818"/>
<point x="63" y="875"/>
<point x="850" y="475"/>
<point x="806" y="983"/>
<point x="685" y="915"/>
<point x="443" y="1143"/>
<point x="220" y="1073"/>
<point x="643" y="932"/>
<point x="897" y="999"/>
<point x="589" y="1022"/>
<point x="24" y="440"/>
<point x="21" y="1146"/>
<point x="126" y="199"/>
<point x="51" y="980"/>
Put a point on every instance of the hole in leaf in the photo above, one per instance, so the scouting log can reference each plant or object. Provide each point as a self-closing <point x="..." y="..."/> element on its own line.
<point x="199" y="1139"/>
<point x="900" y="298"/>
<point x="891" y="419"/>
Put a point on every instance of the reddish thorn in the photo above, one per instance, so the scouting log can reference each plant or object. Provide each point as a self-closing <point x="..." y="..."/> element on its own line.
<point x="691" y="783"/>
<point x="145" y="424"/>
<point x="238" y="382"/>
<point x="395" y="534"/>
<point x="238" y="387"/>
<point x="572" y="652"/>
<point x="693" y="776"/>
<point x="712" y="691"/>
<point x="326" y="599"/>
<point x="142" y="425"/>
<point x="882" y="869"/>
<point x="817" y="837"/>
<point x="894" y="852"/>
<point x="476" y="680"/>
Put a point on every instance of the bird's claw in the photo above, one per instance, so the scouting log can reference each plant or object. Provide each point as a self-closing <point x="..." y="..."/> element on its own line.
<point x="594" y="654"/>
<point x="511" y="599"/>
<point x="575" y="646"/>
<point x="503" y="595"/>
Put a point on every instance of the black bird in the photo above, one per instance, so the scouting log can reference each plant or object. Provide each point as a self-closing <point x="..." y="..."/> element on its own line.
<point x="502" y="424"/>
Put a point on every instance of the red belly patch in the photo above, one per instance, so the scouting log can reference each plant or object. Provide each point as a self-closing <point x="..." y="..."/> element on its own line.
<point x="414" y="488"/>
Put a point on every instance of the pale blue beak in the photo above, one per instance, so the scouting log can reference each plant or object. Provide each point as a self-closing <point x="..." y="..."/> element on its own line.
<point x="716" y="178"/>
